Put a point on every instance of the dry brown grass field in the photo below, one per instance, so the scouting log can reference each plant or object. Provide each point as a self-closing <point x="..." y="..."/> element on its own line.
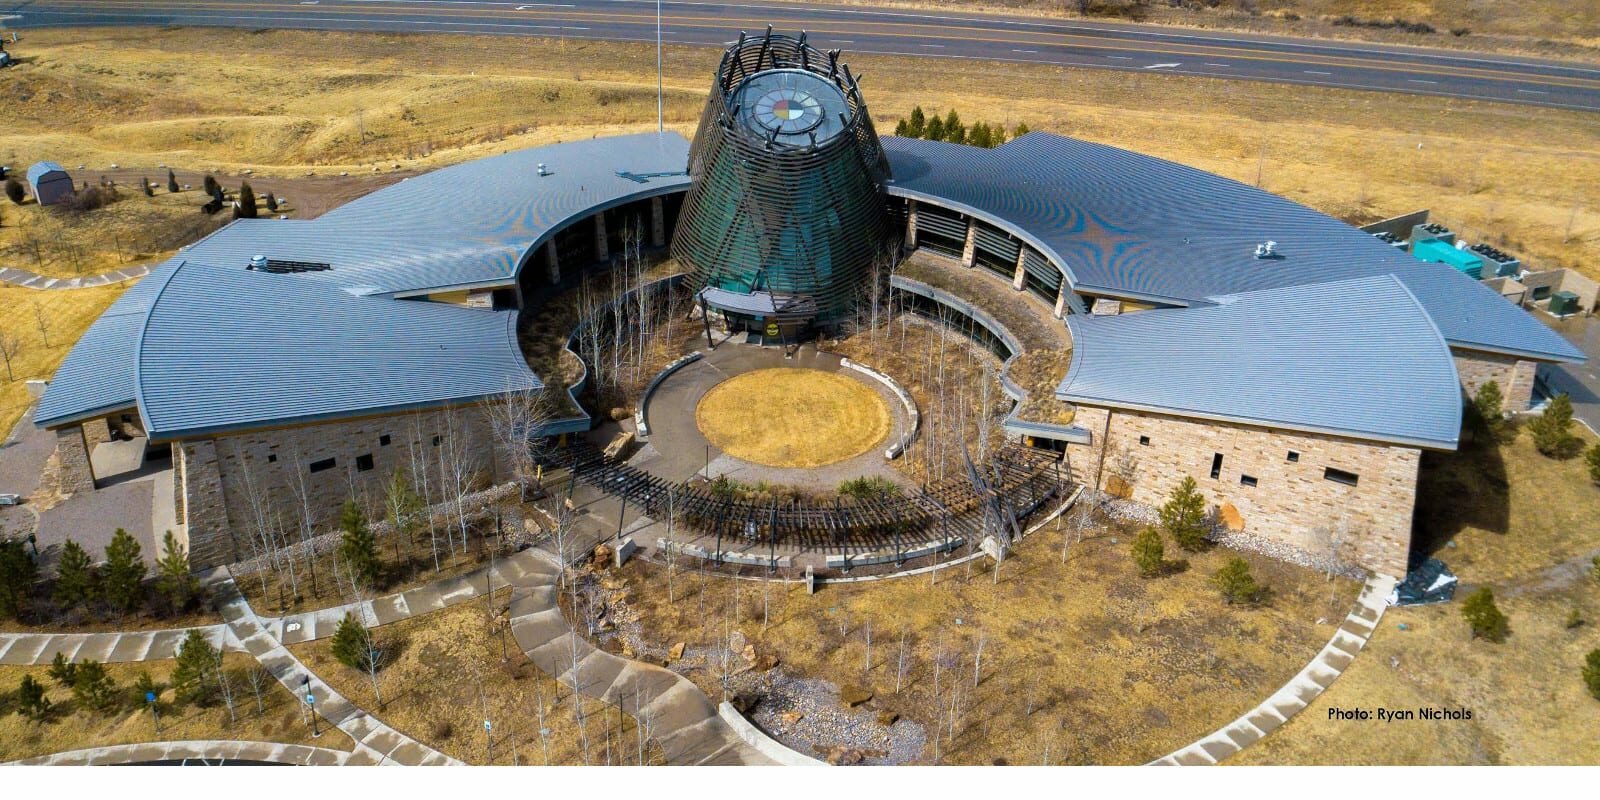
<point x="446" y="672"/>
<point x="1520" y="176"/>
<point x="1523" y="525"/>
<point x="1116" y="669"/>
<point x="70" y="727"/>
<point x="792" y="417"/>
<point x="66" y="314"/>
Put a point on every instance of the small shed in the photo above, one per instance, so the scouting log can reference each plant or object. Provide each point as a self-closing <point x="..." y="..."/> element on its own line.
<point x="50" y="183"/>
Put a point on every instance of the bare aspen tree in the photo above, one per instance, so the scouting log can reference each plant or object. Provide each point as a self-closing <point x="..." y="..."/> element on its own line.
<point x="900" y="664"/>
<point x="544" y="728"/>
<point x="458" y="469"/>
<point x="258" y="678"/>
<point x="419" y="475"/>
<point x="305" y="518"/>
<point x="516" y="417"/>
<point x="977" y="659"/>
<point x="226" y="687"/>
<point x="10" y="347"/>
<point x="41" y="320"/>
<point x="867" y="666"/>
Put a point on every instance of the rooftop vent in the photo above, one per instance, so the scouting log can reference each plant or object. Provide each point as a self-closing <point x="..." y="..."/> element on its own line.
<point x="1268" y="249"/>
<point x="277" y="267"/>
<point x="542" y="171"/>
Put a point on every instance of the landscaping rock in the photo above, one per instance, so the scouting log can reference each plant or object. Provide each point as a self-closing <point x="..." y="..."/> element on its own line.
<point x="887" y="717"/>
<point x="676" y="651"/>
<point x="1230" y="517"/>
<point x="853" y="696"/>
<point x="792" y="717"/>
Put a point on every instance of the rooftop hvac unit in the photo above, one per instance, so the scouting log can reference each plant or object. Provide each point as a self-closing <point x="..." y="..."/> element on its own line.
<point x="1432" y="230"/>
<point x="1563" y="303"/>
<point x="1501" y="263"/>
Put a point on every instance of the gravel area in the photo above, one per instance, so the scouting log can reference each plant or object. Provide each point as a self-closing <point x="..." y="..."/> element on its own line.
<point x="806" y="715"/>
<point x="1139" y="513"/>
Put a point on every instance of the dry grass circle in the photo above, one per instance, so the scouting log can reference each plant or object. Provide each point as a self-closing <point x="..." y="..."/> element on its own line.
<point x="786" y="417"/>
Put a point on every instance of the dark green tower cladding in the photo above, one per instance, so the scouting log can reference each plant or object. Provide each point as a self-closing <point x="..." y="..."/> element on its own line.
<point x="786" y="214"/>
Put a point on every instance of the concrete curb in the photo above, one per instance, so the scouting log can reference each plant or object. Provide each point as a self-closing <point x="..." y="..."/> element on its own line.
<point x="913" y="416"/>
<point x="757" y="738"/>
<point x="219" y="751"/>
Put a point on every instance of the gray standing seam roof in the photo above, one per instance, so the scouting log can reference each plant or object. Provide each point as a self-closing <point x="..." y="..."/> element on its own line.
<point x="1129" y="225"/>
<point x="225" y="348"/>
<point x="1281" y="358"/>
<point x="464" y="225"/>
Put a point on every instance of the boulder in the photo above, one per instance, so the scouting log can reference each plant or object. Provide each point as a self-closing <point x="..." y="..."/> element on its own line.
<point x="792" y="717"/>
<point x="676" y="651"/>
<point x="749" y="654"/>
<point x="887" y="717"/>
<point x="1230" y="517"/>
<point x="853" y="696"/>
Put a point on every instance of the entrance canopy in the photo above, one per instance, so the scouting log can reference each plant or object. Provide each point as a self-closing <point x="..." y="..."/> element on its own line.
<point x="760" y="304"/>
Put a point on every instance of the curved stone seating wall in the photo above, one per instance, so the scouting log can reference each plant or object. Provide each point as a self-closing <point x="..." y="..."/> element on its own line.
<point x="649" y="391"/>
<point x="1012" y="424"/>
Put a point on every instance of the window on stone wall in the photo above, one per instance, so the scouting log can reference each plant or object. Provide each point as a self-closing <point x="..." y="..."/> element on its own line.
<point x="364" y="462"/>
<point x="1247" y="480"/>
<point x="272" y="458"/>
<point x="323" y="465"/>
<point x="1144" y="440"/>
<point x="1340" y="476"/>
<point x="1294" y="457"/>
<point x="1216" y="465"/>
<point x="383" y="441"/>
<point x="436" y="440"/>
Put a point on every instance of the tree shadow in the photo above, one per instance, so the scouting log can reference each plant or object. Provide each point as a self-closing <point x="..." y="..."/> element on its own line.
<point x="1455" y="491"/>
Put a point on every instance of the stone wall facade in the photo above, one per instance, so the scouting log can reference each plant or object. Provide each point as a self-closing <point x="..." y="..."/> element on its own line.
<point x="1143" y="456"/>
<point x="75" y="473"/>
<point x="236" y="483"/>
<point x="1514" y="375"/>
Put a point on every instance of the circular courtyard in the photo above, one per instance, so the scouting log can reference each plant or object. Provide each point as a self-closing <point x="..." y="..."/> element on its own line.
<point x="793" y="418"/>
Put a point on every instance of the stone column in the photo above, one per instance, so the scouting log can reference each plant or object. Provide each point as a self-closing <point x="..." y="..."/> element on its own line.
<point x="1061" y="300"/>
<point x="602" y="250"/>
<point x="552" y="267"/>
<point x="205" y="508"/>
<point x="969" y="251"/>
<point x="1019" y="278"/>
<point x="1519" y="391"/>
<point x="911" y="225"/>
<point x="658" y="222"/>
<point x="96" y="431"/>
<point x="72" y="450"/>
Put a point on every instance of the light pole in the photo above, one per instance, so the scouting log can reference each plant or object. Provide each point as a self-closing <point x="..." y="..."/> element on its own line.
<point x="150" y="697"/>
<point x="660" y="103"/>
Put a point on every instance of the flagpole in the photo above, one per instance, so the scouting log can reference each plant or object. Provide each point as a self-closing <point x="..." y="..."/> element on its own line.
<point x="660" y="104"/>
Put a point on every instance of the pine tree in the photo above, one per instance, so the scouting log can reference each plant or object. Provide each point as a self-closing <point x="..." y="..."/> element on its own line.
<point x="997" y="135"/>
<point x="918" y="123"/>
<point x="123" y="577"/>
<point x="92" y="686"/>
<point x="172" y="574"/>
<point x="934" y="130"/>
<point x="31" y="700"/>
<point x="1591" y="673"/>
<point x="211" y="186"/>
<point x="351" y="644"/>
<point x="62" y="671"/>
<point x="75" y="577"/>
<point x="15" y="191"/>
<point x="1488" y="405"/>
<point x="1552" y="430"/>
<point x="1184" y="516"/>
<point x="1236" y="583"/>
<point x="1592" y="461"/>
<point x="1485" y="617"/>
<point x="901" y="128"/>
<point x="172" y="182"/>
<point x="194" y="677"/>
<point x="954" y="131"/>
<point x="358" y="547"/>
<point x="17" y="574"/>
<point x="978" y="135"/>
<point x="1020" y="131"/>
<point x="247" y="202"/>
<point x="1149" y="553"/>
<point x="272" y="202"/>
<point x="146" y="187"/>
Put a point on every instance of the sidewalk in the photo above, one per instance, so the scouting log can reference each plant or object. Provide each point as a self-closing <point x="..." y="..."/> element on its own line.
<point x="33" y="280"/>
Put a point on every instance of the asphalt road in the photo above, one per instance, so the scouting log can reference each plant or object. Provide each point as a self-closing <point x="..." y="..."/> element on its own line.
<point x="860" y="29"/>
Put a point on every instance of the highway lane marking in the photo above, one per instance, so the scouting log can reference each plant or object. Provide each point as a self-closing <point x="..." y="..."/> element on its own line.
<point x="1315" y="72"/>
<point x="1121" y="58"/>
<point x="1165" y="66"/>
<point x="933" y="45"/>
<point x="1530" y="91"/>
<point x="1015" y="50"/>
<point x="1419" y="80"/>
<point x="722" y="23"/>
<point x="1209" y="64"/>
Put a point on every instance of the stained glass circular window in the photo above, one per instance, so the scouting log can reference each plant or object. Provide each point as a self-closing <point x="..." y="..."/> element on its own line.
<point x="791" y="106"/>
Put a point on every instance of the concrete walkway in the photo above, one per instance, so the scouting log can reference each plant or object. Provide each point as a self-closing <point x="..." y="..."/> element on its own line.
<point x="672" y="710"/>
<point x="373" y="739"/>
<point x="31" y="649"/>
<point x="213" y="752"/>
<point x="33" y="280"/>
<point x="1301" y="690"/>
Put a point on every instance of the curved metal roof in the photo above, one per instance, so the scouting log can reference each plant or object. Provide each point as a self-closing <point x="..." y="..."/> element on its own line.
<point x="224" y="348"/>
<point x="1128" y="225"/>
<point x="1355" y="358"/>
